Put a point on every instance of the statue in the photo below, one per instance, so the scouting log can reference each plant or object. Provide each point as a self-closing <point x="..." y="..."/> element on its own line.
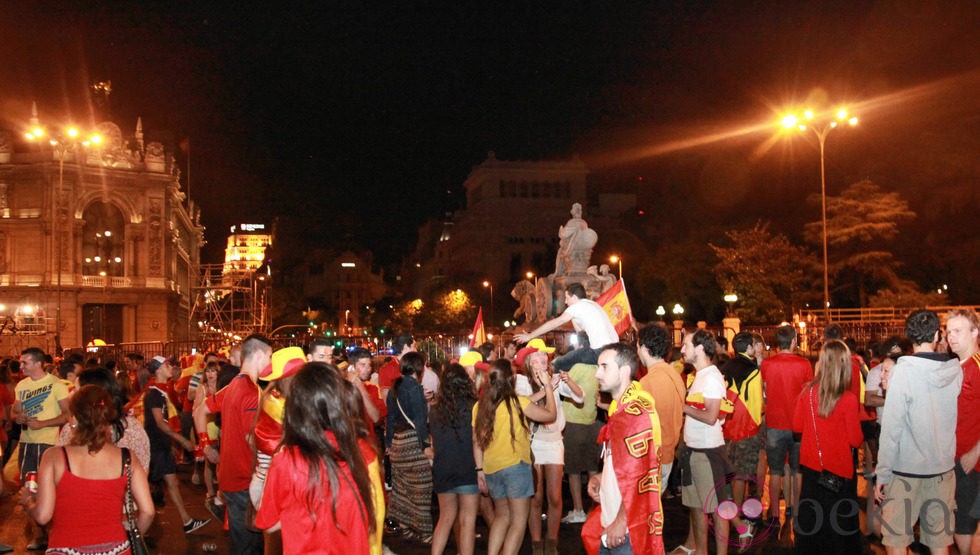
<point x="523" y="293"/>
<point x="599" y="281"/>
<point x="575" y="244"/>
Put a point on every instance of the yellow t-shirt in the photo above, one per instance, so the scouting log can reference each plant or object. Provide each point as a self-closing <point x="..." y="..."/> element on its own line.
<point x="500" y="454"/>
<point x="39" y="399"/>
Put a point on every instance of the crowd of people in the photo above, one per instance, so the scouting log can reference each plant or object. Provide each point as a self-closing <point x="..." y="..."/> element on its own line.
<point x="314" y="450"/>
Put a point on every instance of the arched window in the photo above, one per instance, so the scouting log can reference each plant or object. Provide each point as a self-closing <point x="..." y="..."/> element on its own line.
<point x="103" y="241"/>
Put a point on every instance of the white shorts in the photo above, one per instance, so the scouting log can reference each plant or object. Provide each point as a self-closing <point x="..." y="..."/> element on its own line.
<point x="548" y="452"/>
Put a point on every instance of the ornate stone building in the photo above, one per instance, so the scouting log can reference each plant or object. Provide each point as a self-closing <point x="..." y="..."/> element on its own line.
<point x="96" y="239"/>
<point x="343" y="286"/>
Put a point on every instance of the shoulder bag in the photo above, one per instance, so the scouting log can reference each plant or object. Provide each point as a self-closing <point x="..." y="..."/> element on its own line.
<point x="827" y="480"/>
<point x="137" y="546"/>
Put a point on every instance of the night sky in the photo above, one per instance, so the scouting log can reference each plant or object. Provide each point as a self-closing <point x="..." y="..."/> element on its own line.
<point x="356" y="122"/>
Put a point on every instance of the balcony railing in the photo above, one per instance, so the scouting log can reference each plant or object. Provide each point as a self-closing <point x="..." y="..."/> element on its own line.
<point x="107" y="281"/>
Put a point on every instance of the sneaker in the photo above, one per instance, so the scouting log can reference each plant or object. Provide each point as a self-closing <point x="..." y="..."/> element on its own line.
<point x="195" y="524"/>
<point x="574" y="517"/>
<point x="216" y="510"/>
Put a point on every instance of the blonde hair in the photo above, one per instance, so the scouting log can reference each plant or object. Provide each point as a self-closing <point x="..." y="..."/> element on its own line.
<point x="969" y="315"/>
<point x="833" y="375"/>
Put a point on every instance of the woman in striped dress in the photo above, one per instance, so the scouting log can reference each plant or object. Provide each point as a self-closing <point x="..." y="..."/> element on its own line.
<point x="407" y="443"/>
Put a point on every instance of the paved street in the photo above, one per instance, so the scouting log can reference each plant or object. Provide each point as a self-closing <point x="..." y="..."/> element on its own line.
<point x="168" y="538"/>
<point x="166" y="535"/>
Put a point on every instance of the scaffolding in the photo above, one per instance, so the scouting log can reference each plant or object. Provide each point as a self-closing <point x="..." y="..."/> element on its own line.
<point x="230" y="305"/>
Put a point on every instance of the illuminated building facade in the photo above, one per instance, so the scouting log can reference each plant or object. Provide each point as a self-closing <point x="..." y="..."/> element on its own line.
<point x="96" y="241"/>
<point x="245" y="251"/>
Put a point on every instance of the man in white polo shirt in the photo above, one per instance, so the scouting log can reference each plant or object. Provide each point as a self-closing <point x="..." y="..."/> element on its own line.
<point x="704" y="465"/>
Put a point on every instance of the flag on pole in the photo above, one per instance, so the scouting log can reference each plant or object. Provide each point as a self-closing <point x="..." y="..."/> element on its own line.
<point x="479" y="336"/>
<point x="617" y="305"/>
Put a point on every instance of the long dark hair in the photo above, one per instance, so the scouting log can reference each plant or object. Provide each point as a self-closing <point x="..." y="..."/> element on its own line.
<point x="321" y="400"/>
<point x="94" y="412"/>
<point x="500" y="389"/>
<point x="454" y="402"/>
<point x="412" y="364"/>
<point x="106" y="379"/>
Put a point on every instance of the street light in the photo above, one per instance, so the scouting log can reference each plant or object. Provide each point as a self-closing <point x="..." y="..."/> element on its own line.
<point x="486" y="283"/>
<point x="731" y="299"/>
<point x="615" y="259"/>
<point x="62" y="143"/>
<point x="792" y="121"/>
<point x="678" y="310"/>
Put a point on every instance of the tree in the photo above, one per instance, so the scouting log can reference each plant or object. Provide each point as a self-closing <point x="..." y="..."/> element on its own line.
<point x="861" y="222"/>
<point x="770" y="275"/>
<point x="906" y="293"/>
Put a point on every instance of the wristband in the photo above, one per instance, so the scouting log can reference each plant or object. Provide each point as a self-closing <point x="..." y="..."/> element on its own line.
<point x="203" y="440"/>
<point x="479" y="469"/>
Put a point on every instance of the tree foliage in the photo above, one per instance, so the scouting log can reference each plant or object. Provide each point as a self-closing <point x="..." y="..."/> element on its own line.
<point x="770" y="275"/>
<point x="906" y="293"/>
<point x="861" y="222"/>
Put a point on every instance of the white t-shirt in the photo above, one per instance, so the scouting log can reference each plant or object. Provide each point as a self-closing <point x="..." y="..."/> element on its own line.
<point x="589" y="317"/>
<point x="873" y="385"/>
<point x="711" y="385"/>
<point x="430" y="381"/>
<point x="552" y="431"/>
<point x="610" y="498"/>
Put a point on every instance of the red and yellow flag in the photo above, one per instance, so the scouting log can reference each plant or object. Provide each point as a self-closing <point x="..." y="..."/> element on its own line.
<point x="479" y="335"/>
<point x="617" y="305"/>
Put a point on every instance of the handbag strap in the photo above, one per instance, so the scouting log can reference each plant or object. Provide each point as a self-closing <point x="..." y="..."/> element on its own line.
<point x="816" y="436"/>
<point x="401" y="410"/>
<point x="128" y="501"/>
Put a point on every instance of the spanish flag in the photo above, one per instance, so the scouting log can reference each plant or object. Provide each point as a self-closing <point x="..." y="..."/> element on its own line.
<point x="479" y="335"/>
<point x="617" y="305"/>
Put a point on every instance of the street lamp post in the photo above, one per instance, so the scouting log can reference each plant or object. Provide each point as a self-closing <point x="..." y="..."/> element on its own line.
<point x="791" y="121"/>
<point x="67" y="141"/>
<point x="678" y="311"/>
<point x="486" y="283"/>
<point x="616" y="259"/>
<point x="731" y="299"/>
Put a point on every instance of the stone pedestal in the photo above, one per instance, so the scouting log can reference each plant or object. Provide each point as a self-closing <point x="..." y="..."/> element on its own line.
<point x="732" y="326"/>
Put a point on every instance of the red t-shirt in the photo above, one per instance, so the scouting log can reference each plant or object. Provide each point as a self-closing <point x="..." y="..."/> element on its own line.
<point x="968" y="408"/>
<point x="837" y="433"/>
<point x="784" y="375"/>
<point x="374" y="392"/>
<point x="285" y="498"/>
<point x="388" y="373"/>
<point x="237" y="403"/>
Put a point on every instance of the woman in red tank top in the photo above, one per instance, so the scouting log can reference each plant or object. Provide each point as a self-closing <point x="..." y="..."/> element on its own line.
<point x="81" y="487"/>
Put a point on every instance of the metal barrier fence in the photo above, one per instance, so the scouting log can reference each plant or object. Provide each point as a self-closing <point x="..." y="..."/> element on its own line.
<point x="441" y="347"/>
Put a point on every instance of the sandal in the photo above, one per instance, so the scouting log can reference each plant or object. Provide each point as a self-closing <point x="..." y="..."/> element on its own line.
<point x="745" y="539"/>
<point x="682" y="549"/>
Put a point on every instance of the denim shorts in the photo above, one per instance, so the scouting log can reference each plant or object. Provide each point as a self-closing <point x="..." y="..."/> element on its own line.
<point x="466" y="489"/>
<point x="513" y="482"/>
<point x="779" y="444"/>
